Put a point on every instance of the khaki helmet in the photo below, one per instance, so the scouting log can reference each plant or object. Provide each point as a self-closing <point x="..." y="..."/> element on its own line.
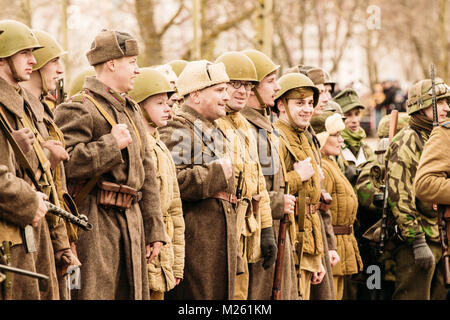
<point x="348" y="100"/>
<point x="148" y="83"/>
<point x="238" y="66"/>
<point x="383" y="125"/>
<point x="14" y="37"/>
<point x="330" y="81"/>
<point x="296" y="80"/>
<point x="51" y="50"/>
<point x="178" y="65"/>
<point x="420" y="94"/>
<point x="77" y="83"/>
<point x="263" y="64"/>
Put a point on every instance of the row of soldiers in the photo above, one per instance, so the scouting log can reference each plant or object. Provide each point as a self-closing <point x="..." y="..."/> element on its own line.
<point x="205" y="180"/>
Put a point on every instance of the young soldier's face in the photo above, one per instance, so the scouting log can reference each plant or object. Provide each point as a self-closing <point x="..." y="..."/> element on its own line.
<point x="301" y="111"/>
<point x="328" y="90"/>
<point x="213" y="101"/>
<point x="125" y="69"/>
<point x="353" y="119"/>
<point x="239" y="92"/>
<point x="268" y="89"/>
<point x="323" y="100"/>
<point x="51" y="72"/>
<point x="23" y="63"/>
<point x="157" y="108"/>
<point x="442" y="110"/>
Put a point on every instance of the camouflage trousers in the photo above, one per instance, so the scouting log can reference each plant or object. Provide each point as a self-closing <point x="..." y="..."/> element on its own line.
<point x="415" y="283"/>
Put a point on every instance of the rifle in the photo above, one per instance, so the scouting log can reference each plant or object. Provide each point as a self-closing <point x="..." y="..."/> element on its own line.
<point x="81" y="221"/>
<point x="239" y="186"/>
<point x="392" y="129"/>
<point x="284" y="222"/>
<point x="60" y="94"/>
<point x="23" y="272"/>
<point x="443" y="211"/>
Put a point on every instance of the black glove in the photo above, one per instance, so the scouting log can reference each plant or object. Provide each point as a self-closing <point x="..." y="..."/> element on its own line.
<point x="423" y="256"/>
<point x="352" y="173"/>
<point x="268" y="247"/>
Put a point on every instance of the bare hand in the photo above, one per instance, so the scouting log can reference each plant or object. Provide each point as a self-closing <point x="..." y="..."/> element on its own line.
<point x="334" y="257"/>
<point x="24" y="138"/>
<point x="177" y="281"/>
<point x="64" y="259"/>
<point x="318" y="276"/>
<point x="289" y="203"/>
<point x="122" y="135"/>
<point x="57" y="152"/>
<point x="304" y="169"/>
<point x="42" y="209"/>
<point x="227" y="167"/>
<point x="152" y="250"/>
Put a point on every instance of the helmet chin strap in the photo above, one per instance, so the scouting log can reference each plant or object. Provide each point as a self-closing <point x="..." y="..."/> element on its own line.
<point x="13" y="70"/>
<point x="44" y="84"/>
<point x="267" y="109"/>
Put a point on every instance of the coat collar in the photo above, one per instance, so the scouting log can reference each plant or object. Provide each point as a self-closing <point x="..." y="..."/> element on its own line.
<point x="11" y="98"/>
<point x="257" y="118"/>
<point x="115" y="99"/>
<point x="192" y="115"/>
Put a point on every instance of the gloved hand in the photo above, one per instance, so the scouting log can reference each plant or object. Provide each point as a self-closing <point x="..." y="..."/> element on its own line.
<point x="423" y="256"/>
<point x="268" y="247"/>
<point x="352" y="173"/>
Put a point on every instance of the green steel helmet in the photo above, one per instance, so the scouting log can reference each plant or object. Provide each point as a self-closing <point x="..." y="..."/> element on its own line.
<point x="77" y="83"/>
<point x="238" y="66"/>
<point x="148" y="83"/>
<point x="330" y="81"/>
<point x="383" y="126"/>
<point x="348" y="100"/>
<point x="178" y="65"/>
<point x="14" y="37"/>
<point x="296" y="80"/>
<point x="263" y="64"/>
<point x="420" y="94"/>
<point x="52" y="49"/>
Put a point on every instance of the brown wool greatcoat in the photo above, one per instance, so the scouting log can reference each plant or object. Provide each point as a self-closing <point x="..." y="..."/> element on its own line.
<point x="18" y="205"/>
<point x="113" y="252"/>
<point x="261" y="281"/>
<point x="210" y="234"/>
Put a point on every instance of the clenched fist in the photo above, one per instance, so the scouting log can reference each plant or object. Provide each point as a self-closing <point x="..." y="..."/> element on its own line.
<point x="289" y="204"/>
<point x="304" y="169"/>
<point x="42" y="209"/>
<point x="122" y="135"/>
<point x="57" y="152"/>
<point x="24" y="138"/>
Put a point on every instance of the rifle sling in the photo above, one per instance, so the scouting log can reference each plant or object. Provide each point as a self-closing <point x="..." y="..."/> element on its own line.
<point x="92" y="182"/>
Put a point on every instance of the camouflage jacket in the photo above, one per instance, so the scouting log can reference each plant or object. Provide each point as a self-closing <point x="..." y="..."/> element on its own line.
<point x="413" y="217"/>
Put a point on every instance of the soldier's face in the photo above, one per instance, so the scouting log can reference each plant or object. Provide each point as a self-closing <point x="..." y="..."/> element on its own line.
<point x="333" y="144"/>
<point x="323" y="100"/>
<point x="442" y="110"/>
<point x="23" y="63"/>
<point x="51" y="72"/>
<point x="268" y="89"/>
<point x="239" y="96"/>
<point x="213" y="101"/>
<point x="353" y="119"/>
<point x="125" y="70"/>
<point x="157" y="108"/>
<point x="301" y="111"/>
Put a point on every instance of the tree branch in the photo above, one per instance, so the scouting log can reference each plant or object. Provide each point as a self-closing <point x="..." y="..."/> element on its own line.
<point x="171" y="21"/>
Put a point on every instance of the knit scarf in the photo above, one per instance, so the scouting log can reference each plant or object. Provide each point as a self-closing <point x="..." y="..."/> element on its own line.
<point x="421" y="122"/>
<point x="353" y="139"/>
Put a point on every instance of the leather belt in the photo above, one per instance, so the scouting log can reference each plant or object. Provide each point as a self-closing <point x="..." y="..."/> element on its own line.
<point x="226" y="196"/>
<point x="311" y="208"/>
<point x="341" y="230"/>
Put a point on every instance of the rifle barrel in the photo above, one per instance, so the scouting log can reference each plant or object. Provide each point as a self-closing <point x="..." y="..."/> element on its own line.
<point x="23" y="272"/>
<point x="82" y="223"/>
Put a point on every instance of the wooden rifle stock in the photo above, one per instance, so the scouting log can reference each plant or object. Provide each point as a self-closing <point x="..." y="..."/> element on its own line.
<point x="284" y="222"/>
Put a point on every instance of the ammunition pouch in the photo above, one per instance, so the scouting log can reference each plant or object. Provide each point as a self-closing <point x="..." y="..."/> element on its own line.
<point x="111" y="194"/>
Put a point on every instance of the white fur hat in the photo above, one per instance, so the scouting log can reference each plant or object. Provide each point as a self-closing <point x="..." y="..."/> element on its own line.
<point x="333" y="124"/>
<point x="200" y="74"/>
